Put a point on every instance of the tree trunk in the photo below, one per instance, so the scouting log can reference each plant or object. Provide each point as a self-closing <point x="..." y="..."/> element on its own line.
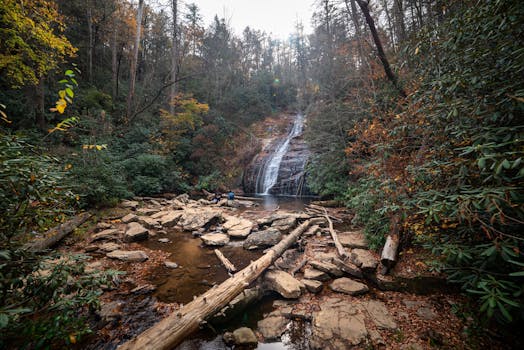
<point x="134" y="62"/>
<point x="114" y="61"/>
<point x="380" y="51"/>
<point x="90" y="49"/>
<point x="171" y="331"/>
<point x="40" y="105"/>
<point x="174" y="53"/>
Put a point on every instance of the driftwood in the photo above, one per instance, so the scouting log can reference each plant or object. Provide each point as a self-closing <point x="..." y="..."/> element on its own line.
<point x="57" y="233"/>
<point x="340" y="249"/>
<point x="172" y="330"/>
<point x="321" y="210"/>
<point x="225" y="261"/>
<point x="299" y="266"/>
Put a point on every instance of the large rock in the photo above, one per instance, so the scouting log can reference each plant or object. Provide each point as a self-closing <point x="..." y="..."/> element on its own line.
<point x="237" y="227"/>
<point x="314" y="274"/>
<point x="111" y="234"/>
<point x="348" y="286"/>
<point x="129" y="218"/>
<point x="353" y="240"/>
<point x="348" y="267"/>
<point x="313" y="286"/>
<point x="129" y="204"/>
<point x="194" y="218"/>
<point x="263" y="239"/>
<point x="364" y="259"/>
<point x="272" y="327"/>
<point x="328" y="267"/>
<point x="244" y="336"/>
<point x="215" y="239"/>
<point x="170" y="218"/>
<point x="285" y="225"/>
<point x="284" y="284"/>
<point x="109" y="247"/>
<point x="128" y="255"/>
<point x="135" y="232"/>
<point x="339" y="325"/>
<point x="149" y="222"/>
<point x="379" y="314"/>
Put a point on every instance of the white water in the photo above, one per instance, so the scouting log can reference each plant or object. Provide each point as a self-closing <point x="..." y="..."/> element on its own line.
<point x="273" y="165"/>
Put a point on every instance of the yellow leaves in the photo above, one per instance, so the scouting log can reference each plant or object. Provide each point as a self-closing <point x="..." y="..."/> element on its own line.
<point x="96" y="147"/>
<point x="3" y="115"/>
<point x="68" y="166"/>
<point x="72" y="338"/>
<point x="417" y="50"/>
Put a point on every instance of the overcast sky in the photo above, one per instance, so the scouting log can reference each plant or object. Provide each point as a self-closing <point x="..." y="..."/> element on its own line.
<point x="272" y="16"/>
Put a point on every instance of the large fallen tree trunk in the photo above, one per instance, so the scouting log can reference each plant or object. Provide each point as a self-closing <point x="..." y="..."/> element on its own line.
<point x="172" y="330"/>
<point x="56" y="234"/>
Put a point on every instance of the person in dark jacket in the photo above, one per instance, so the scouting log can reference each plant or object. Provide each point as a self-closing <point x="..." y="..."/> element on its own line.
<point x="231" y="195"/>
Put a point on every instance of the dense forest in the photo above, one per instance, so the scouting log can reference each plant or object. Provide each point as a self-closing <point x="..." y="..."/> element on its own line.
<point x="414" y="121"/>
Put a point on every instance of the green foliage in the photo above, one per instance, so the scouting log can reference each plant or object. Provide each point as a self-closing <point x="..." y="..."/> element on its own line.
<point x="210" y="182"/>
<point x="146" y="173"/>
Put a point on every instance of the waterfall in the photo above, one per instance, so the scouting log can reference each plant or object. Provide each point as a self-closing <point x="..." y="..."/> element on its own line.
<point x="270" y="171"/>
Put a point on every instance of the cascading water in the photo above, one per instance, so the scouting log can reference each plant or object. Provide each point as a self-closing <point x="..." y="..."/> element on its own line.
<point x="268" y="175"/>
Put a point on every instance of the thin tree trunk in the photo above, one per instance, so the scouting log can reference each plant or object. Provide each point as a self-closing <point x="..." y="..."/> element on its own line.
<point x="90" y="49"/>
<point x="114" y="62"/>
<point x="174" y="53"/>
<point x="134" y="61"/>
<point x="40" y="105"/>
<point x="380" y="51"/>
<point x="391" y="29"/>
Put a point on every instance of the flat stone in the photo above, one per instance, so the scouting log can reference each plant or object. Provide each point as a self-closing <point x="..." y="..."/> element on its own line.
<point x="106" y="234"/>
<point x="149" y="222"/>
<point x="194" y="218"/>
<point x="272" y="327"/>
<point x="314" y="274"/>
<point x="164" y="240"/>
<point x="215" y="239"/>
<point x="348" y="267"/>
<point x="135" y="232"/>
<point x="380" y="314"/>
<point x="285" y="225"/>
<point x="244" y="336"/>
<point x="284" y="284"/>
<point x="91" y="248"/>
<point x="426" y="313"/>
<point x="147" y="211"/>
<point x="325" y="266"/>
<point x="353" y="240"/>
<point x="348" y="286"/>
<point x="129" y="218"/>
<point x="109" y="247"/>
<point x="160" y="213"/>
<point x="312" y="285"/>
<point x="364" y="259"/>
<point x="171" y="265"/>
<point x="129" y="204"/>
<point x="339" y="325"/>
<point x="263" y="239"/>
<point x="170" y="219"/>
<point x="128" y="255"/>
<point x="237" y="227"/>
<point x="103" y="226"/>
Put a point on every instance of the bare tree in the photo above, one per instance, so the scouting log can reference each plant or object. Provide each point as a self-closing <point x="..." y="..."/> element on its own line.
<point x="134" y="60"/>
<point x="174" y="53"/>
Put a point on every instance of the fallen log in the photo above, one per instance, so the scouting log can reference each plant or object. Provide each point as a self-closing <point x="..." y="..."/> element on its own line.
<point x="172" y="330"/>
<point x="340" y="248"/>
<point x="225" y="261"/>
<point x="57" y="233"/>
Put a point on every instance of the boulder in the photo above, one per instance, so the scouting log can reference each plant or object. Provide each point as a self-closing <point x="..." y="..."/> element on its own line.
<point x="313" y="286"/>
<point x="284" y="284"/>
<point x="272" y="327"/>
<point x="109" y="247"/>
<point x="314" y="274"/>
<point x="339" y="325"/>
<point x="135" y="232"/>
<point x="364" y="259"/>
<point x="263" y="239"/>
<point x="328" y="267"/>
<point x="244" y="336"/>
<point x="237" y="227"/>
<point x="348" y="286"/>
<point x="285" y="225"/>
<point x="348" y="267"/>
<point x="159" y="214"/>
<point x="379" y="314"/>
<point x="215" y="239"/>
<point x="129" y="204"/>
<point x="195" y="218"/>
<point x="171" y="218"/>
<point x="353" y="240"/>
<point x="147" y="211"/>
<point x="149" y="222"/>
<point x="183" y="198"/>
<point x="110" y="234"/>
<point x="129" y="218"/>
<point x="128" y="255"/>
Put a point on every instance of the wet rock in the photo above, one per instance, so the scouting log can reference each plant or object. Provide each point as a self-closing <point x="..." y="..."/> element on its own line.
<point x="171" y="265"/>
<point x="325" y="266"/>
<point x="171" y="218"/>
<point x="284" y="284"/>
<point x="263" y="239"/>
<point x="109" y="247"/>
<point x="193" y="219"/>
<point x="314" y="274"/>
<point x="313" y="286"/>
<point x="135" y="232"/>
<point x="215" y="239"/>
<point x="353" y="240"/>
<point x="103" y="226"/>
<point x="129" y="218"/>
<point x="237" y="227"/>
<point x="339" y="325"/>
<point x="285" y="225"/>
<point x="149" y="222"/>
<point x="348" y="286"/>
<point x="379" y="314"/>
<point x="272" y="327"/>
<point x="364" y="259"/>
<point x="244" y="336"/>
<point x="110" y="234"/>
<point x="348" y="267"/>
<point x="128" y="255"/>
<point x="129" y="204"/>
<point x="164" y="240"/>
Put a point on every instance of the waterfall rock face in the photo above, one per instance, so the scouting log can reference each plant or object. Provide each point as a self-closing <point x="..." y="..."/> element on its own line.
<point x="280" y="168"/>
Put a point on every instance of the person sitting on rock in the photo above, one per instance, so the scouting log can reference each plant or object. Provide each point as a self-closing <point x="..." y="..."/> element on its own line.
<point x="216" y="198"/>
<point x="231" y="195"/>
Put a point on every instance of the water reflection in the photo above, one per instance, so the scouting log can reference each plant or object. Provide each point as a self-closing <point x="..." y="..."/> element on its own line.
<point x="291" y="203"/>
